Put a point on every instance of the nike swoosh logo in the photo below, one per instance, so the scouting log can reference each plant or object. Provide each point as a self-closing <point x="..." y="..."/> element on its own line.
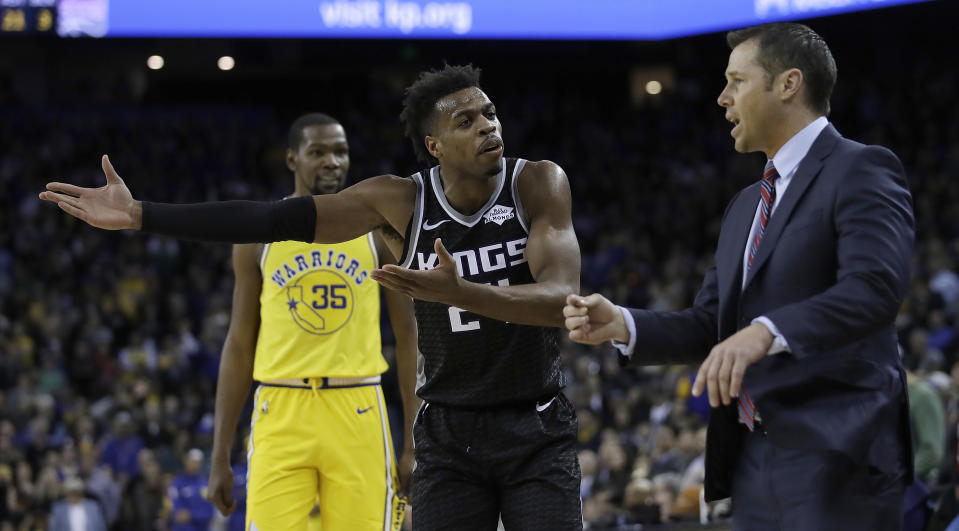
<point x="427" y="226"/>
<point x="542" y="408"/>
<point x="361" y="411"/>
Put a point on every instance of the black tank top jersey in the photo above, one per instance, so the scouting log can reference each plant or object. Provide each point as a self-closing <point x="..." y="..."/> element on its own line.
<point x="468" y="360"/>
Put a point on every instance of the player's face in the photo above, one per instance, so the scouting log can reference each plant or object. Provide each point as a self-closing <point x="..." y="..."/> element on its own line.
<point x="467" y="133"/>
<point x="322" y="160"/>
<point x="750" y="103"/>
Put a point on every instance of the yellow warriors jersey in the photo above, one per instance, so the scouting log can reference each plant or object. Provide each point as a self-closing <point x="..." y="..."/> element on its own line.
<point x="319" y="311"/>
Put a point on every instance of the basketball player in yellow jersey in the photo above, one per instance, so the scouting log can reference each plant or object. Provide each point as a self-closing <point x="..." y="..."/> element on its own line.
<point x="306" y="326"/>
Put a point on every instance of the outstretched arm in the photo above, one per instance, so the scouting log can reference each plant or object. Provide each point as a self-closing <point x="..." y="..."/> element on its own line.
<point x="110" y="207"/>
<point x="375" y="202"/>
<point x="551" y="250"/>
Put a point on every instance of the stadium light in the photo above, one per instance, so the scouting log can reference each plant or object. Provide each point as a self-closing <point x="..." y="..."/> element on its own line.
<point x="654" y="87"/>
<point x="155" y="62"/>
<point x="225" y="63"/>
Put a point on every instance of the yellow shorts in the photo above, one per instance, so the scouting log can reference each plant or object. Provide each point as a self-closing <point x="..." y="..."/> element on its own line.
<point x="329" y="444"/>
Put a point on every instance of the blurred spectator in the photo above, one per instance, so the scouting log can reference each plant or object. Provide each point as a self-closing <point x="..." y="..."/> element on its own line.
<point x="945" y="282"/>
<point x="639" y="501"/>
<point x="928" y="427"/>
<point x="666" y="488"/>
<point x="76" y="513"/>
<point x="121" y="447"/>
<point x="588" y="466"/>
<point x="143" y="499"/>
<point x="613" y="472"/>
<point x="190" y="511"/>
<point x="101" y="484"/>
<point x="942" y="334"/>
<point x="923" y="358"/>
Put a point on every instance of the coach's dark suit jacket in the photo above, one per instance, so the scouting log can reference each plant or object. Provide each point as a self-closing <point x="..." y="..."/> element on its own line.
<point x="830" y="274"/>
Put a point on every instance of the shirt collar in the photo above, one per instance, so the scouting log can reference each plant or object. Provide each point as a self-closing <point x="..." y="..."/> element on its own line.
<point x="793" y="151"/>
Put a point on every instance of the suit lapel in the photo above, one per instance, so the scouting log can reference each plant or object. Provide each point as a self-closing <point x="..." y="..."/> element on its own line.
<point x="731" y="247"/>
<point x="807" y="172"/>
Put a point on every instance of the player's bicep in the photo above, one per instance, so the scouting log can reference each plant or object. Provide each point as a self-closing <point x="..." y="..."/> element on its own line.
<point x="248" y="280"/>
<point x="361" y="208"/>
<point x="552" y="249"/>
<point x="553" y="254"/>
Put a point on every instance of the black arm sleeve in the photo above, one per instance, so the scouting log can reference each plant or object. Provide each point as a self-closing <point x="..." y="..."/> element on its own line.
<point x="234" y="221"/>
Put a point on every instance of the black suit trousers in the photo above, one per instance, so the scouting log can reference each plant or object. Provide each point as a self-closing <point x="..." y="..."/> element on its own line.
<point x="801" y="490"/>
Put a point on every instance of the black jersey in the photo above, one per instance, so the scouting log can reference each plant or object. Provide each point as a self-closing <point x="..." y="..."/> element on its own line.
<point x="469" y="360"/>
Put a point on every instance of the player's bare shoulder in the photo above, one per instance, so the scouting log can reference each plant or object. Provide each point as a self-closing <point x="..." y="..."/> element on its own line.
<point x="393" y="198"/>
<point x="542" y="186"/>
<point x="385" y="187"/>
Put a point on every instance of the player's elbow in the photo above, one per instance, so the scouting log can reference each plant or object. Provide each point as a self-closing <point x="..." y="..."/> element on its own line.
<point x="238" y="351"/>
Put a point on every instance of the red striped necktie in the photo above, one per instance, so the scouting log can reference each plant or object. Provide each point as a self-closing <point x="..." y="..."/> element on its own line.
<point x="768" y="193"/>
<point x="747" y="411"/>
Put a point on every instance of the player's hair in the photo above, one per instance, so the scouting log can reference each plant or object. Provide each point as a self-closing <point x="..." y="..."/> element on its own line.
<point x="419" y="105"/>
<point x="784" y="45"/>
<point x="295" y="136"/>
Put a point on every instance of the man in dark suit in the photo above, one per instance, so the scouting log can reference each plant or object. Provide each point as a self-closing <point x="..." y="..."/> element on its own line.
<point x="810" y="425"/>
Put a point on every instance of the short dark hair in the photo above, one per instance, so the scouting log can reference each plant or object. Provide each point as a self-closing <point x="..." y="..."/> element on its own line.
<point x="295" y="136"/>
<point x="419" y="105"/>
<point x="784" y="45"/>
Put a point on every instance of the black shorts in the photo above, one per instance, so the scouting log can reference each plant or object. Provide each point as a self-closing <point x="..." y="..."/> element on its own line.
<point x="476" y="466"/>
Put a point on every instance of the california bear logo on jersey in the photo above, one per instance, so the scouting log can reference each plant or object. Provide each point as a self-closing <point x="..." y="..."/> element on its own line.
<point x="319" y="289"/>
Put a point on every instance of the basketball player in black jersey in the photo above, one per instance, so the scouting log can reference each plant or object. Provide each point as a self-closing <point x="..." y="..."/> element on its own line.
<point x="489" y="254"/>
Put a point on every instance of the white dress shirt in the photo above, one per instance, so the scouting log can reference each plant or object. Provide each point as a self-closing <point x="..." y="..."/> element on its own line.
<point x="77" y="515"/>
<point x="786" y="161"/>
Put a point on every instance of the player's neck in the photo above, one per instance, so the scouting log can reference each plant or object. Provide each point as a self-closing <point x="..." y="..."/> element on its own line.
<point x="467" y="193"/>
<point x="300" y="190"/>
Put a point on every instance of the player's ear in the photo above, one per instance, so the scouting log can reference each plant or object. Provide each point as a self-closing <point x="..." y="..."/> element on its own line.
<point x="291" y="160"/>
<point x="433" y="146"/>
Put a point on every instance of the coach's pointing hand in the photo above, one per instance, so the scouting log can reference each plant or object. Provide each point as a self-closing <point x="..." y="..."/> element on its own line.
<point x="440" y="284"/>
<point x="108" y="207"/>
<point x="594" y="319"/>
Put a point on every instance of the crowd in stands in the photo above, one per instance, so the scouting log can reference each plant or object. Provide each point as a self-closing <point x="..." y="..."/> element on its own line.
<point x="109" y="342"/>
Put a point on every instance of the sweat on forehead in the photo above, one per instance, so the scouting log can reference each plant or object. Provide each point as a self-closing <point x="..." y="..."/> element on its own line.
<point x="467" y="97"/>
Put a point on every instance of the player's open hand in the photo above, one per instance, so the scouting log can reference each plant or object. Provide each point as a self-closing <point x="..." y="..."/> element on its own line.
<point x="440" y="284"/>
<point x="219" y="492"/>
<point x="722" y="372"/>
<point x="108" y="207"/>
<point x="594" y="319"/>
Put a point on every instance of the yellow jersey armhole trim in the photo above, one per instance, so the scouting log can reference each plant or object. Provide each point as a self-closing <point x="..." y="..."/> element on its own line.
<point x="376" y="256"/>
<point x="266" y="249"/>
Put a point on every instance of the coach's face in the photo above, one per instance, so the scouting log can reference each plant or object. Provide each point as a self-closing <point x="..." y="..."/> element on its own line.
<point x="467" y="135"/>
<point x="750" y="103"/>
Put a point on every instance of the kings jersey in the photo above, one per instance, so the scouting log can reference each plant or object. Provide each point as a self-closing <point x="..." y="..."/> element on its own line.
<point x="469" y="360"/>
<point x="319" y="311"/>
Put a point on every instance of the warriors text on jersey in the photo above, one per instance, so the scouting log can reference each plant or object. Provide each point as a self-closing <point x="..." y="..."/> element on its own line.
<point x="309" y="292"/>
<point x="469" y="360"/>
